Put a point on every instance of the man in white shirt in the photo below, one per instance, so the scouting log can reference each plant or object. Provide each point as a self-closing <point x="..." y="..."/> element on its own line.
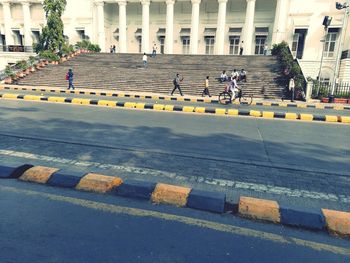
<point x="233" y="87"/>
<point x="144" y="58"/>
<point x="291" y="87"/>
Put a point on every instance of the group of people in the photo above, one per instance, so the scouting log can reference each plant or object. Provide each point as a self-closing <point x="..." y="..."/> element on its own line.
<point x="113" y="49"/>
<point x="240" y="76"/>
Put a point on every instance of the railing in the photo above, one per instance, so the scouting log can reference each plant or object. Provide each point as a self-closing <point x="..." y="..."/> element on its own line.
<point x="16" y="48"/>
<point x="341" y="90"/>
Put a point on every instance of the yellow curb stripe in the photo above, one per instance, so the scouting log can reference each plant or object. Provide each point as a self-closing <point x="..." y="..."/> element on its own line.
<point x="170" y="194"/>
<point x="158" y="106"/>
<point x="330" y="118"/>
<point x="255" y="113"/>
<point x="266" y="104"/>
<point x="338" y="107"/>
<point x="220" y="111"/>
<point x="306" y="117"/>
<point x="98" y="183"/>
<point x="207" y="100"/>
<point x="193" y="100"/>
<point x="9" y="96"/>
<point x="338" y="223"/>
<point x="56" y="99"/>
<point x="38" y="174"/>
<point x="291" y="116"/>
<point x="81" y="101"/>
<point x="232" y="112"/>
<point x="32" y="97"/>
<point x="107" y="103"/>
<point x="167" y="98"/>
<point x="319" y="106"/>
<point x="259" y="209"/>
<point x="180" y="99"/>
<point x="130" y="105"/>
<point x="344" y="119"/>
<point x="188" y="109"/>
<point x="155" y="97"/>
<point x="200" y="109"/>
<point x="169" y="107"/>
<point x="140" y="105"/>
<point x="268" y="114"/>
<point x="302" y="106"/>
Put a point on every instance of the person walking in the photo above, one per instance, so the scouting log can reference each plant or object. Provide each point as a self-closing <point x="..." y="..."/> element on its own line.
<point x="241" y="47"/>
<point x="206" y="88"/>
<point x="291" y="87"/>
<point x="114" y="49"/>
<point x="69" y="77"/>
<point x="144" y="59"/>
<point x="154" y="51"/>
<point x="111" y="49"/>
<point x="176" y="83"/>
<point x="266" y="48"/>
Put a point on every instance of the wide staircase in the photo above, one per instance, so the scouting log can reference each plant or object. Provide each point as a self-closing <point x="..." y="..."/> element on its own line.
<point x="125" y="72"/>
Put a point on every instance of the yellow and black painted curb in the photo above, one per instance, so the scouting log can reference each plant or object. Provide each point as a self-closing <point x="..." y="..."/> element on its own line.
<point x="335" y="222"/>
<point x="185" y="99"/>
<point x="187" y="109"/>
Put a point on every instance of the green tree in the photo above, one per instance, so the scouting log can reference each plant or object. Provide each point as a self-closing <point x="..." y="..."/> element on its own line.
<point x="52" y="38"/>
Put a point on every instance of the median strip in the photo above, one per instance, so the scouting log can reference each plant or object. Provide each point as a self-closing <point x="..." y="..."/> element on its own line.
<point x="335" y="222"/>
<point x="186" y="109"/>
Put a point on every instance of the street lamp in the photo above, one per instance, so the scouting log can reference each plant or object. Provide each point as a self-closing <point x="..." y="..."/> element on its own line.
<point x="326" y="23"/>
<point x="340" y="6"/>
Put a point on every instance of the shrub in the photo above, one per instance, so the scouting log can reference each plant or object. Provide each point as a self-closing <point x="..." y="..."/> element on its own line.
<point x="50" y="56"/>
<point x="31" y="61"/>
<point x="9" y="72"/>
<point x="22" y="64"/>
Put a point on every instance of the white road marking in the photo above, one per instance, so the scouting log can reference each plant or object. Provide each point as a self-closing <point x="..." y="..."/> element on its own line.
<point x="269" y="189"/>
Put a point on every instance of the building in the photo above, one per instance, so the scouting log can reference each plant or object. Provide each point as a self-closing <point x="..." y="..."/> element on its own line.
<point x="187" y="27"/>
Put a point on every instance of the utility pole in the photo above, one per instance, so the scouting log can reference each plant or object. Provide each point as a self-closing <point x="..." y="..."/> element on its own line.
<point x="340" y="45"/>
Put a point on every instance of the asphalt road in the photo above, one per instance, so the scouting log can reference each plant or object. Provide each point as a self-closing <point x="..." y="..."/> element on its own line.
<point x="297" y="163"/>
<point x="345" y="112"/>
<point x="45" y="224"/>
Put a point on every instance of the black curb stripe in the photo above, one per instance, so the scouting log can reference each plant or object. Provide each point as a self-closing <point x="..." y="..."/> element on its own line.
<point x="319" y="118"/>
<point x="81" y="92"/>
<point x="92" y="93"/>
<point x="136" y="96"/>
<point x="311" y="106"/>
<point x="7" y="88"/>
<point x="177" y="108"/>
<point x="120" y="104"/>
<point x="275" y="104"/>
<point x="0" y="95"/>
<point x="161" y="98"/>
<point x="346" y="108"/>
<point x="259" y="104"/>
<point x="173" y="99"/>
<point x="114" y="95"/>
<point x="44" y="98"/>
<point x="16" y="88"/>
<point x="209" y="110"/>
<point x="200" y="100"/>
<point x="20" y="97"/>
<point x="292" y="105"/>
<point x="214" y="101"/>
<point x="62" y="91"/>
<point x="244" y="112"/>
<point x="52" y="90"/>
<point x="34" y="89"/>
<point x="94" y="102"/>
<point x="187" y="99"/>
<point x="280" y="115"/>
<point x="24" y="88"/>
<point x="103" y="94"/>
<point x="148" y="106"/>
<point x="127" y="95"/>
<point x="68" y="100"/>
<point x="329" y="107"/>
<point x="148" y="97"/>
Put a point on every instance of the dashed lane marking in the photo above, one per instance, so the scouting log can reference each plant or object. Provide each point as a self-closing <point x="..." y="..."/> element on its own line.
<point x="230" y="184"/>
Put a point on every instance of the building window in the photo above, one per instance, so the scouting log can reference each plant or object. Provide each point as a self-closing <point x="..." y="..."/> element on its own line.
<point x="234" y="45"/>
<point x="209" y="45"/>
<point x="298" y="43"/>
<point x="259" y="44"/>
<point x="331" y="40"/>
<point x="186" y="45"/>
<point x="161" y="40"/>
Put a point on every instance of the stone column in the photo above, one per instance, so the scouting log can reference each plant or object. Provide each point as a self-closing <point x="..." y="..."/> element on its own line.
<point x="249" y="27"/>
<point x="220" y="30"/>
<point x="7" y="19"/>
<point x="101" y="25"/>
<point x="122" y="26"/>
<point x="145" y="25"/>
<point x="28" y="41"/>
<point x="169" y="32"/>
<point x="194" y="26"/>
<point x="279" y="27"/>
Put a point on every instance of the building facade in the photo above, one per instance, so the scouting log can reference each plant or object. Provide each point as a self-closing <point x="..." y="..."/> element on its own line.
<point x="188" y="27"/>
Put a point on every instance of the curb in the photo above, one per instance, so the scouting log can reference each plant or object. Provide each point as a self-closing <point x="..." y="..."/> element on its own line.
<point x="335" y="222"/>
<point x="186" y="99"/>
<point x="186" y="109"/>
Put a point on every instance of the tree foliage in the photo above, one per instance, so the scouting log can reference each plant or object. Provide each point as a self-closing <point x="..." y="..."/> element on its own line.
<point x="290" y="68"/>
<point x="52" y="38"/>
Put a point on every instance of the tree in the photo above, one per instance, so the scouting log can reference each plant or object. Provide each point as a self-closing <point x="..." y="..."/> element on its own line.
<point x="52" y="38"/>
